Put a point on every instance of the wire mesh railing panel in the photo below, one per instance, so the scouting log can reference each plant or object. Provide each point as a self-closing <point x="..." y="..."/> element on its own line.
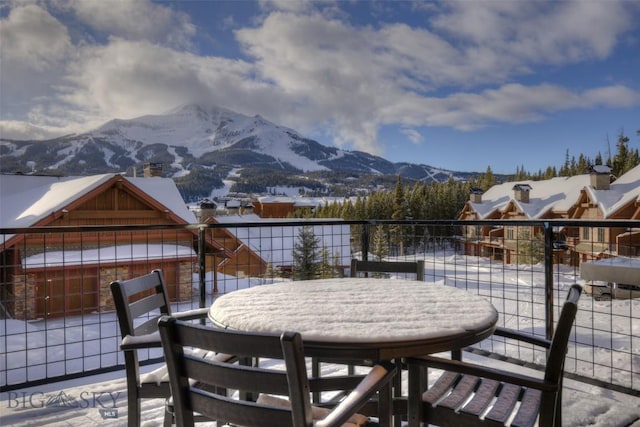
<point x="58" y="319"/>
<point x="58" y="309"/>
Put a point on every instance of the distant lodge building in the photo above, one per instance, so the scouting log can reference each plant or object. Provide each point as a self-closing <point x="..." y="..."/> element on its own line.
<point x="265" y="207"/>
<point x="594" y="196"/>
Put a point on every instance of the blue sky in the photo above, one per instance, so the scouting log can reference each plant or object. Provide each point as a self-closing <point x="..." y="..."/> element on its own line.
<point x="454" y="84"/>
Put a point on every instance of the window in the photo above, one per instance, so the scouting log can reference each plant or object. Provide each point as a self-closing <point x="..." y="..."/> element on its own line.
<point x="600" y="234"/>
<point x="585" y="233"/>
<point x="510" y="233"/>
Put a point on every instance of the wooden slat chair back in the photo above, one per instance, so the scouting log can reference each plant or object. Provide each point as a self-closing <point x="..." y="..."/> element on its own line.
<point x="139" y="303"/>
<point x="365" y="268"/>
<point x="207" y="385"/>
<point x="359" y="267"/>
<point x="473" y="395"/>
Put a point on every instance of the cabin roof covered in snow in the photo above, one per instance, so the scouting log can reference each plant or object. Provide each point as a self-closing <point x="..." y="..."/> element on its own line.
<point x="559" y="194"/>
<point x="25" y="200"/>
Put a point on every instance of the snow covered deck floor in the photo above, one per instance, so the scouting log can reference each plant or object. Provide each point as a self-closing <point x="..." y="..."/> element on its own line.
<point x="101" y="400"/>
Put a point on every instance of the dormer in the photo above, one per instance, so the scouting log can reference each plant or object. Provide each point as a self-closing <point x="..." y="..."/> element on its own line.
<point x="475" y="195"/>
<point x="521" y="192"/>
<point x="600" y="177"/>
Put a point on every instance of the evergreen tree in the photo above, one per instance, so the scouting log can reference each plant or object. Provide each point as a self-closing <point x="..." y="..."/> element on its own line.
<point x="487" y="180"/>
<point x="326" y="269"/>
<point x="400" y="213"/>
<point x="306" y="256"/>
<point x="530" y="249"/>
<point x="564" y="170"/>
<point x="550" y="172"/>
<point x="598" y="160"/>
<point x="380" y="244"/>
<point x="619" y="161"/>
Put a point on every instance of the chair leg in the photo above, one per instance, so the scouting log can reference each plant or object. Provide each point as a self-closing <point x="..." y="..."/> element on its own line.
<point x="417" y="384"/>
<point x="385" y="406"/>
<point x="397" y="389"/>
<point x="133" y="417"/>
<point x="315" y="373"/>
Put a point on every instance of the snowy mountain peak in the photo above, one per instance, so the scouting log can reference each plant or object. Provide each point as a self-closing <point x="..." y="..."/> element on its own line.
<point x="201" y="130"/>
<point x="203" y="141"/>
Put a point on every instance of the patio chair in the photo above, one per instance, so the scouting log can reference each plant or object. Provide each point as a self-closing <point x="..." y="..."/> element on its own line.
<point x="139" y="302"/>
<point x="471" y="394"/>
<point x="360" y="267"/>
<point x="364" y="268"/>
<point x="204" y="385"/>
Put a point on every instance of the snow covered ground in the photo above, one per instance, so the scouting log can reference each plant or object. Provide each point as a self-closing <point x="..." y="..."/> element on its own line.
<point x="516" y="291"/>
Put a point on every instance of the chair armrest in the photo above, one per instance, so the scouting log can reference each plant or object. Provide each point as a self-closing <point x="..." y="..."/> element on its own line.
<point x="196" y="313"/>
<point x="377" y="378"/>
<point x="131" y="342"/>
<point x="483" y="371"/>
<point x="517" y="335"/>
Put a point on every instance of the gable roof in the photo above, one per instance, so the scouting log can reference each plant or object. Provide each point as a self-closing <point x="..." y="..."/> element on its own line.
<point x="621" y="192"/>
<point x="274" y="243"/>
<point x="25" y="200"/>
<point x="559" y="195"/>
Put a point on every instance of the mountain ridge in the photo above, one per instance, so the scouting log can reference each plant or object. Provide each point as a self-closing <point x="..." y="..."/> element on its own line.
<point x="207" y="142"/>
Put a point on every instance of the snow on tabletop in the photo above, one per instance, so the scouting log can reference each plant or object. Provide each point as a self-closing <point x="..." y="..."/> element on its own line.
<point x="364" y="310"/>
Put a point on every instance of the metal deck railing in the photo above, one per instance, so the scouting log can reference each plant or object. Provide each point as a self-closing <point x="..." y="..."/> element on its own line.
<point x="58" y="320"/>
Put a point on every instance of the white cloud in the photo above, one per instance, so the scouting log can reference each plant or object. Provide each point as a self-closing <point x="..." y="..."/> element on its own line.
<point x="413" y="135"/>
<point x="11" y="129"/>
<point x="292" y="6"/>
<point x="31" y="38"/>
<point x="538" y="32"/>
<point x="357" y="79"/>
<point x="135" y="20"/>
<point x="125" y="78"/>
<point x="310" y="71"/>
<point x="511" y="103"/>
<point x="35" y="47"/>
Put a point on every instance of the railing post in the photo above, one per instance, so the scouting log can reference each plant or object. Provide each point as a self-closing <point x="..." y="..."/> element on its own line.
<point x="548" y="278"/>
<point x="202" y="267"/>
<point x="364" y="241"/>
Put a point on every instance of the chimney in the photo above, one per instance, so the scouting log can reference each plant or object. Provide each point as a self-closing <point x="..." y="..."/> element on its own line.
<point x="207" y="210"/>
<point x="475" y="195"/>
<point x="152" y="170"/>
<point x="600" y="177"/>
<point x="521" y="192"/>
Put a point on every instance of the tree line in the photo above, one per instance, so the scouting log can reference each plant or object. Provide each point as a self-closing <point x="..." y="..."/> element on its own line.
<point x="434" y="201"/>
<point x="430" y="201"/>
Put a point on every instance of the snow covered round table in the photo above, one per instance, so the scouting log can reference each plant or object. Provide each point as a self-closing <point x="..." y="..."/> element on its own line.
<point x="363" y="318"/>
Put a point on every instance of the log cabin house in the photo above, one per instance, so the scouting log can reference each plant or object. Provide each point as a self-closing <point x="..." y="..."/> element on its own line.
<point x="50" y="275"/>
